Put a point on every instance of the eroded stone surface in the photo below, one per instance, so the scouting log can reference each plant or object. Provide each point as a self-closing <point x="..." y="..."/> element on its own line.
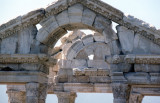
<point x="126" y="38"/>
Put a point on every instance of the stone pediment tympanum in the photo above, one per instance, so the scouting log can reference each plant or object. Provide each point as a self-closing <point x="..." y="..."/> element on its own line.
<point x="65" y="15"/>
<point x="123" y="62"/>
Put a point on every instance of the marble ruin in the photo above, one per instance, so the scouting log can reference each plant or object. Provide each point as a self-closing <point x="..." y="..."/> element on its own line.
<point x="125" y="63"/>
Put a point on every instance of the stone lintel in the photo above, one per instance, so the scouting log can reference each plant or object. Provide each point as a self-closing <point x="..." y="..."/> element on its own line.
<point x="133" y="58"/>
<point x="22" y="77"/>
<point x="22" y="58"/>
<point x="147" y="90"/>
<point x="88" y="87"/>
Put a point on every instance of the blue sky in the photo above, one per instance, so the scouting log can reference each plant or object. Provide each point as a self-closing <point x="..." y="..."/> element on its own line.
<point x="147" y="10"/>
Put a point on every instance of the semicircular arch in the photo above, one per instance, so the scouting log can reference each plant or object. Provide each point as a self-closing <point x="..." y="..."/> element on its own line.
<point x="74" y="17"/>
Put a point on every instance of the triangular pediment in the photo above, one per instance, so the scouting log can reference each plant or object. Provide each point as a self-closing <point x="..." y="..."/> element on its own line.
<point x="99" y="7"/>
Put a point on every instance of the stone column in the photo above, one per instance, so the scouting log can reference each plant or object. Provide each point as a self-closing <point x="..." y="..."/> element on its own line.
<point x="16" y="96"/>
<point x="120" y="92"/>
<point x="36" y="92"/>
<point x="136" y="98"/>
<point x="66" y="97"/>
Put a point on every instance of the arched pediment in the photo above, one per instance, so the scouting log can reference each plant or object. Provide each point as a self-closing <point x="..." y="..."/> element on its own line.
<point x="90" y="7"/>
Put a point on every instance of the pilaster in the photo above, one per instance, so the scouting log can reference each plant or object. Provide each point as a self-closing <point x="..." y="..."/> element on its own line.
<point x="136" y="98"/>
<point x="16" y="96"/>
<point x="120" y="92"/>
<point x="36" y="92"/>
<point x="66" y="97"/>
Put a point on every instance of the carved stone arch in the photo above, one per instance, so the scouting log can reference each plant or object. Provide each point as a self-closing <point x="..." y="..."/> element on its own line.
<point x="88" y="46"/>
<point x="76" y="16"/>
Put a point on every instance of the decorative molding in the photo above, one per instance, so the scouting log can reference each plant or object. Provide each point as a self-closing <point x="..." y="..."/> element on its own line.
<point x="21" y="22"/>
<point x="92" y="72"/>
<point x="22" y="58"/>
<point x="134" y="59"/>
<point x="104" y="9"/>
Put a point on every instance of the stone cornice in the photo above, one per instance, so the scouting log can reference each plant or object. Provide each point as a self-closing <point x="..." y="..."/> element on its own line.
<point x="98" y="6"/>
<point x="135" y="59"/>
<point x="22" y="58"/>
<point x="21" y="22"/>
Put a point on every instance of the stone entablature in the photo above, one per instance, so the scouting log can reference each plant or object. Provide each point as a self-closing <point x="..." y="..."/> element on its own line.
<point x="23" y="58"/>
<point x="134" y="59"/>
<point x="106" y="10"/>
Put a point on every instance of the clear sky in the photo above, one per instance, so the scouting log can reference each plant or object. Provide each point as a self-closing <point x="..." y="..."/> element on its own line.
<point x="147" y="10"/>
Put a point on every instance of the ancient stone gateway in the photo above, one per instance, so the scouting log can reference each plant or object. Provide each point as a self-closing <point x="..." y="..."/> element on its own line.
<point x="125" y="63"/>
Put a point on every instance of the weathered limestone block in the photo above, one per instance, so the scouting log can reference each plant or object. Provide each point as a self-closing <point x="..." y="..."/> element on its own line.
<point x="15" y="96"/>
<point x="114" y="45"/>
<point x="10" y="24"/>
<point x="154" y="48"/>
<point x="145" y="46"/>
<point x="118" y="77"/>
<point x="138" y="78"/>
<point x="65" y="48"/>
<point x="100" y="64"/>
<point x="126" y="38"/>
<point x="90" y="72"/>
<point x="147" y="68"/>
<point x="35" y="47"/>
<point x="56" y="5"/>
<point x="42" y="35"/>
<point x="20" y="88"/>
<point x="49" y="25"/>
<point x="78" y="79"/>
<point x="101" y="23"/>
<point x="121" y="67"/>
<point x="71" y="54"/>
<point x="155" y="78"/>
<point x="65" y="64"/>
<point x="73" y="36"/>
<point x="102" y="88"/>
<point x="98" y="38"/>
<point x="100" y="79"/>
<point x="63" y="18"/>
<point x="31" y="67"/>
<point x="75" y="13"/>
<point x="79" y="63"/>
<point x="87" y="40"/>
<point x="66" y="97"/>
<point x="25" y="39"/>
<point x="36" y="93"/>
<point x="78" y="87"/>
<point x="88" y="17"/>
<point x="101" y="51"/>
<point x="109" y="34"/>
<point x="77" y="46"/>
<point x="9" y="67"/>
<point x="82" y="55"/>
<point x="136" y="98"/>
<point x="141" y="45"/>
<point x="103" y="72"/>
<point x="89" y="50"/>
<point x="63" y="74"/>
<point x="9" y="45"/>
<point x="120" y="92"/>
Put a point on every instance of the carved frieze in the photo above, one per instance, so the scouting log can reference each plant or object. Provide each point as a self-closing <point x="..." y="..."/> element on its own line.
<point x="138" y="59"/>
<point x="98" y="6"/>
<point x="22" y="58"/>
